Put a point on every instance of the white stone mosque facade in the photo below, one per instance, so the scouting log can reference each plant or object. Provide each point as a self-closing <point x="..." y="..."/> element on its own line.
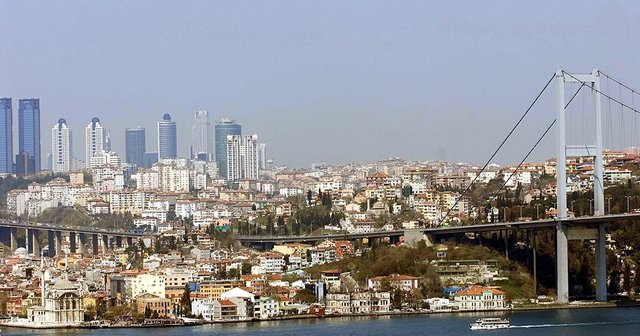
<point x="62" y="304"/>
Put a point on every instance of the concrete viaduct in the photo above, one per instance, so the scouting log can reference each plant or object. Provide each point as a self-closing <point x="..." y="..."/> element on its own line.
<point x="80" y="240"/>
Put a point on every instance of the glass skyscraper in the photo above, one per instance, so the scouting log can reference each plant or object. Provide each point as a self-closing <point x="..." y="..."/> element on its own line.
<point x="29" y="135"/>
<point x="6" y="136"/>
<point x="223" y="128"/>
<point x="167" y="138"/>
<point x="135" y="146"/>
<point x="201" y="136"/>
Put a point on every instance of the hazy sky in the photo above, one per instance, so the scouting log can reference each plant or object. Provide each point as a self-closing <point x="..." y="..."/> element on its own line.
<point x="334" y="81"/>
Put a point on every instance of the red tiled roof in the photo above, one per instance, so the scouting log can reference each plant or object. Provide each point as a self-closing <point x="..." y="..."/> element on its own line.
<point x="227" y="303"/>
<point x="477" y="290"/>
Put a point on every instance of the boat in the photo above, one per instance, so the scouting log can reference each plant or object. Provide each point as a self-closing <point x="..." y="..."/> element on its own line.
<point x="489" y="323"/>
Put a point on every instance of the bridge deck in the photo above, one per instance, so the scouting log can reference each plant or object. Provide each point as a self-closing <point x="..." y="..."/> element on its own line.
<point x="592" y="220"/>
<point x="58" y="227"/>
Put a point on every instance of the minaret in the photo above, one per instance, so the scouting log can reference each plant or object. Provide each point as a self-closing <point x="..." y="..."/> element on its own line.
<point x="42" y="280"/>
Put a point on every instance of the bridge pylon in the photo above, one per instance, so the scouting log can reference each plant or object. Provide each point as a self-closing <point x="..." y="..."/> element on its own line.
<point x="591" y="150"/>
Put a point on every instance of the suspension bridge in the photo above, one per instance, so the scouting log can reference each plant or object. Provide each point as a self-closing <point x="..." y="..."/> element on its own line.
<point x="579" y="133"/>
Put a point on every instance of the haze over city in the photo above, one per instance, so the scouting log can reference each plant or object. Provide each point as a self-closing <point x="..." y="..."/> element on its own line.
<point x="331" y="81"/>
<point x="319" y="167"/>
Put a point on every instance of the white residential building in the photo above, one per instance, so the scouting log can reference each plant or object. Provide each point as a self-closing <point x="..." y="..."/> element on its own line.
<point x="61" y="147"/>
<point x="272" y="262"/>
<point x="242" y="157"/>
<point x="104" y="158"/>
<point x="148" y="283"/>
<point x="480" y="298"/>
<point x="94" y="140"/>
<point x="266" y="308"/>
<point x="127" y="201"/>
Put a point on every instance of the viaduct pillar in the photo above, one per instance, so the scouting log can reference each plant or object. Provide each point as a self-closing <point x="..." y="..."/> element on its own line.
<point x="105" y="244"/>
<point x="95" y="243"/>
<point x="51" y="241"/>
<point x="34" y="241"/>
<point x="73" y="242"/>
<point x="83" y="242"/>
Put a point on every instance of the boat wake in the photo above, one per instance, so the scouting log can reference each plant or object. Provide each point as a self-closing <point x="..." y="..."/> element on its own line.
<point x="564" y="325"/>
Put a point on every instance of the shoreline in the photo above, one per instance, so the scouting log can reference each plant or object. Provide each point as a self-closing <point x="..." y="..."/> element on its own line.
<point x="586" y="305"/>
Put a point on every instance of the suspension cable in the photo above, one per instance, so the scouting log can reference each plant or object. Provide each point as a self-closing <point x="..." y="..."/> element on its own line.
<point x="605" y="95"/>
<point x="620" y="83"/>
<point x="533" y="148"/>
<point x="497" y="150"/>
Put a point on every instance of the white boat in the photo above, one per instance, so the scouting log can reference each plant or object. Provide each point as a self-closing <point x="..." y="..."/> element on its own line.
<point x="490" y="323"/>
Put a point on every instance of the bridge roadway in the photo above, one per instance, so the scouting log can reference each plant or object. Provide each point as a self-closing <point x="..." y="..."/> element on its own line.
<point x="581" y="228"/>
<point x="79" y="238"/>
<point x="545" y="223"/>
<point x="59" y="227"/>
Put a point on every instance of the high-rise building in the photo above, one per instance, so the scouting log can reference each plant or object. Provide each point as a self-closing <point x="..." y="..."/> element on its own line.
<point x="135" y="145"/>
<point x="61" y="147"/>
<point x="167" y="138"/>
<point x="262" y="156"/>
<point x="94" y="140"/>
<point x="202" y="135"/>
<point x="6" y="136"/>
<point x="224" y="128"/>
<point x="150" y="159"/>
<point x="242" y="157"/>
<point x="29" y="135"/>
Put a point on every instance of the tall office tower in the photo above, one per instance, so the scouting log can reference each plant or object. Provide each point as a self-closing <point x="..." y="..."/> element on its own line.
<point x="167" y="138"/>
<point x="202" y="135"/>
<point x="224" y="128"/>
<point x="262" y="156"/>
<point x="242" y="157"/>
<point x="28" y="136"/>
<point x="94" y="140"/>
<point x="150" y="159"/>
<point x="135" y="146"/>
<point x="6" y="136"/>
<point x="61" y="147"/>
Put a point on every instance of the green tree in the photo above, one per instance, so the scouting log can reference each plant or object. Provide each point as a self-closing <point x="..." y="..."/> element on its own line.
<point x="397" y="298"/>
<point x="407" y="191"/>
<point x="626" y="280"/>
<point x="270" y="225"/>
<point x="305" y="296"/>
<point x="185" y="301"/>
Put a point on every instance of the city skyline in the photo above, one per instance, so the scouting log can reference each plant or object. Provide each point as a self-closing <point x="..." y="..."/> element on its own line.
<point x="400" y="72"/>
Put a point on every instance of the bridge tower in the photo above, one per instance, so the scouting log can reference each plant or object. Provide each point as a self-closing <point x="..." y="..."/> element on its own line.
<point x="593" y="150"/>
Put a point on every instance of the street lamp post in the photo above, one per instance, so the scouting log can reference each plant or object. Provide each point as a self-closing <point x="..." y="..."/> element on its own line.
<point x="537" y="215"/>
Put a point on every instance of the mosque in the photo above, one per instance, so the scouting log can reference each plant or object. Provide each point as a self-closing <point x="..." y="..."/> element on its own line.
<point x="61" y="304"/>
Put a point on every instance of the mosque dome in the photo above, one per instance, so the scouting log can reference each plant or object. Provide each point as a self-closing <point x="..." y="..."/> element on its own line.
<point x="21" y="251"/>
